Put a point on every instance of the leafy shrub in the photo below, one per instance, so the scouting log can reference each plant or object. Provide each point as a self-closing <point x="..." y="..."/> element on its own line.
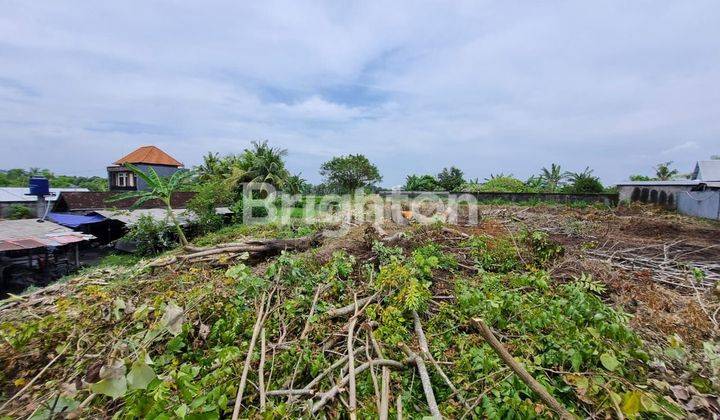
<point x="210" y="195"/>
<point x="503" y="184"/>
<point x="421" y="183"/>
<point x="19" y="211"/>
<point x="494" y="254"/>
<point x="584" y="183"/>
<point x="151" y="236"/>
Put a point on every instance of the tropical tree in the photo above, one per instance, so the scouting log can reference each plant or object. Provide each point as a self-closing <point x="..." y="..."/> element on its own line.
<point x="450" y="179"/>
<point x="160" y="189"/>
<point x="420" y="183"/>
<point x="212" y="167"/>
<point x="262" y="164"/>
<point x="350" y="172"/>
<point x="552" y="177"/>
<point x="663" y="171"/>
<point x="584" y="182"/>
<point x="295" y="184"/>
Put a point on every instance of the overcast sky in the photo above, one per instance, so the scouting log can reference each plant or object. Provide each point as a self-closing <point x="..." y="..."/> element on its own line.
<point x="486" y="86"/>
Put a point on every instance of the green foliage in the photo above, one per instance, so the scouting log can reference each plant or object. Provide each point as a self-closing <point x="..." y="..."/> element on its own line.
<point x="210" y="195"/>
<point x="563" y="328"/>
<point x="297" y="185"/>
<point x="21" y="177"/>
<point x="262" y="164"/>
<point x="19" y="211"/>
<point x="553" y="178"/>
<point x="151" y="236"/>
<point x="348" y="173"/>
<point x="663" y="171"/>
<point x="450" y="179"/>
<point x="589" y="284"/>
<point x="494" y="254"/>
<point x="583" y="183"/>
<point x="160" y="189"/>
<point x="385" y="253"/>
<point x="543" y="248"/>
<point x="421" y="183"/>
<point x="503" y="184"/>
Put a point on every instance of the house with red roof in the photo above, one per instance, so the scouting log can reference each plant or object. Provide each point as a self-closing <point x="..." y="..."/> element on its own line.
<point x="120" y="178"/>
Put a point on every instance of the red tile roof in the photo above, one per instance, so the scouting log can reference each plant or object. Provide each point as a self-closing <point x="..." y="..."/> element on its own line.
<point x="150" y="155"/>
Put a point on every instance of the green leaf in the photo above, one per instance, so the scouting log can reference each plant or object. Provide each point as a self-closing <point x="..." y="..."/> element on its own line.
<point x="112" y="383"/>
<point x="114" y="388"/>
<point x="181" y="411"/>
<point x="140" y="375"/>
<point x="609" y="361"/>
<point x="631" y="404"/>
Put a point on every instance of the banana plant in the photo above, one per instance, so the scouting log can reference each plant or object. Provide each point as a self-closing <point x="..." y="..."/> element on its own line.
<point x="161" y="189"/>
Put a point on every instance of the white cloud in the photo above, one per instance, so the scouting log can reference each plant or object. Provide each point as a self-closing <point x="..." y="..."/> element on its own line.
<point x="489" y="86"/>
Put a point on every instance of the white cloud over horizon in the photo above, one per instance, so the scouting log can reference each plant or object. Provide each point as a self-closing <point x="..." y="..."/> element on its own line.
<point x="486" y="86"/>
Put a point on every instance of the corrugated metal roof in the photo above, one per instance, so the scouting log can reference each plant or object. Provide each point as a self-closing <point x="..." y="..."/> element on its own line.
<point x="31" y="234"/>
<point x="707" y="170"/>
<point x="17" y="194"/>
<point x="678" y="183"/>
<point x="131" y="217"/>
<point x="150" y="155"/>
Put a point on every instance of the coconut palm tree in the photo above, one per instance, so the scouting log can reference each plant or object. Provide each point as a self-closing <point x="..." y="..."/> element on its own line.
<point x="160" y="189"/>
<point x="663" y="171"/>
<point x="262" y="164"/>
<point x="552" y="177"/>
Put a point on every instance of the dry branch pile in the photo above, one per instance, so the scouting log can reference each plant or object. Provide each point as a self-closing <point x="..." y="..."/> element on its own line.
<point x="443" y="321"/>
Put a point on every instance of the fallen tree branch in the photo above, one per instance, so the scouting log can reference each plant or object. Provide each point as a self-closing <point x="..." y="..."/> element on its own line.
<point x="248" y="358"/>
<point x="306" y="328"/>
<point x="424" y="379"/>
<point x="286" y="392"/>
<point x="425" y="349"/>
<point x="261" y="370"/>
<point x="352" y="397"/>
<point x="385" y="383"/>
<point x="256" y="248"/>
<point x="346" y="310"/>
<point x="520" y="371"/>
<point x="330" y="394"/>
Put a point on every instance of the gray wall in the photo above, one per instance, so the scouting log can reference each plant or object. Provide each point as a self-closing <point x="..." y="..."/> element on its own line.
<point x="664" y="195"/>
<point x="700" y="204"/>
<point x="163" y="171"/>
<point x="609" y="199"/>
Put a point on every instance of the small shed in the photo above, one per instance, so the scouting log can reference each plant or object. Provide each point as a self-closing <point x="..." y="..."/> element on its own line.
<point x="36" y="251"/>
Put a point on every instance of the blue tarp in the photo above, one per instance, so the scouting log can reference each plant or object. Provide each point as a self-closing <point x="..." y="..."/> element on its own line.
<point x="74" y="220"/>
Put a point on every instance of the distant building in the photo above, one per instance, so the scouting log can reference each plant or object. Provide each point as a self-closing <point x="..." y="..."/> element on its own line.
<point x="697" y="196"/>
<point x="19" y="195"/>
<point x="121" y="178"/>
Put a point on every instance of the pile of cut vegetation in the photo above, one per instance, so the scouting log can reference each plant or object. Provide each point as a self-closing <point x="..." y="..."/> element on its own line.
<point x="289" y="322"/>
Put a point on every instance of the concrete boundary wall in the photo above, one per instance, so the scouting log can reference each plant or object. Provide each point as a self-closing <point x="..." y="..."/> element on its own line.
<point x="484" y="197"/>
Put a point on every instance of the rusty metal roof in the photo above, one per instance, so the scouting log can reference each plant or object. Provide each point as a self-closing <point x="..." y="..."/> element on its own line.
<point x="30" y="234"/>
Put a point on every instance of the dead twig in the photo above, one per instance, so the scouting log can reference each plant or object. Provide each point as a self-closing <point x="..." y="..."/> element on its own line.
<point x="248" y="358"/>
<point x="330" y="394"/>
<point x="261" y="370"/>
